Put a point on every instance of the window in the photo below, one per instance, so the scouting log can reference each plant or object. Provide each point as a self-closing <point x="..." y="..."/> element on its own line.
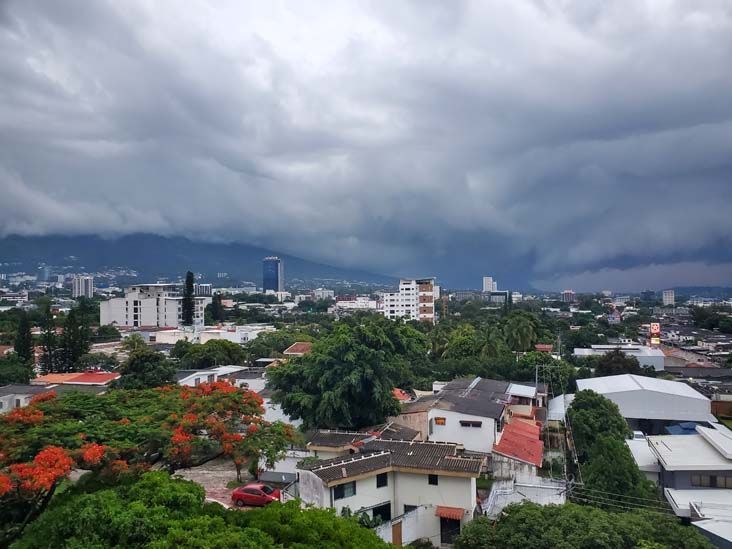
<point x="197" y="381"/>
<point x="210" y="378"/>
<point x="701" y="480"/>
<point x="17" y="403"/>
<point x="408" y="508"/>
<point x="431" y="425"/>
<point x="267" y="489"/>
<point x="382" y="511"/>
<point x="344" y="490"/>
<point x="382" y="480"/>
<point x="440" y="421"/>
<point x="432" y="479"/>
<point x="464" y="423"/>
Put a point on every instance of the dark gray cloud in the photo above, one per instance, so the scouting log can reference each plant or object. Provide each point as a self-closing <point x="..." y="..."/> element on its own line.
<point x="544" y="142"/>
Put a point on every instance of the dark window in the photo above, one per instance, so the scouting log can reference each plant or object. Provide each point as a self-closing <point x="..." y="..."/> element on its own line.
<point x="344" y="490"/>
<point x="432" y="479"/>
<point x="267" y="489"/>
<point x="464" y="423"/>
<point x="408" y="508"/>
<point x="382" y="480"/>
<point x="252" y="492"/>
<point x="383" y="511"/>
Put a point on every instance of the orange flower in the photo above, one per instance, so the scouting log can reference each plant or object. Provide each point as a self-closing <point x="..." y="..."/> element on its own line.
<point x="124" y="421"/>
<point x="44" y="397"/>
<point x="92" y="453"/>
<point x="5" y="485"/>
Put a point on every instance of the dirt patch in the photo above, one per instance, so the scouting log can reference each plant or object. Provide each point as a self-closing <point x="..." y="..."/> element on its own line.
<point x="214" y="476"/>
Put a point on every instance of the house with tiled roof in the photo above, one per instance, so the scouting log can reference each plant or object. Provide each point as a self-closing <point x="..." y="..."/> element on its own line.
<point x="429" y="486"/>
<point x="519" y="453"/>
<point x="299" y="348"/>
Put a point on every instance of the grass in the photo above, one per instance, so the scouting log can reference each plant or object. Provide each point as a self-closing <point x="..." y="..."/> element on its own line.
<point x="234" y="484"/>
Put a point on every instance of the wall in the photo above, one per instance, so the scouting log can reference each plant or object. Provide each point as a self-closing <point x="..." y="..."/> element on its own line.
<point x="312" y="490"/>
<point x="681" y="480"/>
<point x="477" y="439"/>
<point x="8" y="401"/>
<point x="417" y="421"/>
<point x="504" y="468"/>
<point x="421" y="523"/>
<point x="273" y="412"/>
<point x="413" y="489"/>
<point x="650" y="404"/>
<point x="368" y="495"/>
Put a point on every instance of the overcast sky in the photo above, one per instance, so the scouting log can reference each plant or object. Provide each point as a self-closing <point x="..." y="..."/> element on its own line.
<point x="561" y="144"/>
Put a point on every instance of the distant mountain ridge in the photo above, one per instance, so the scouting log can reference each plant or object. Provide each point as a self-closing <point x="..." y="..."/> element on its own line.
<point x="153" y="256"/>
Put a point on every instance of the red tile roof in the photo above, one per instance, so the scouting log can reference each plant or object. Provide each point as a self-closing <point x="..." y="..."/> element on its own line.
<point x="454" y="513"/>
<point x="521" y="441"/>
<point x="544" y="347"/>
<point x="299" y="348"/>
<point x="94" y="378"/>
<point x="400" y="394"/>
<point x="4" y="349"/>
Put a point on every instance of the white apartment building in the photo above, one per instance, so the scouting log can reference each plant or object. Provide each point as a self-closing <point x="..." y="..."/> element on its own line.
<point x="414" y="300"/>
<point x="158" y="305"/>
<point x="669" y="298"/>
<point x="82" y="286"/>
<point x="322" y="293"/>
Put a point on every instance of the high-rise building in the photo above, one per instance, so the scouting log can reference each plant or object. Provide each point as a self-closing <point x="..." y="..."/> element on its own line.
<point x="150" y="305"/>
<point x="82" y="286"/>
<point x="669" y="298"/>
<point x="568" y="296"/>
<point x="273" y="275"/>
<point x="415" y="300"/>
<point x="202" y="289"/>
<point x="489" y="285"/>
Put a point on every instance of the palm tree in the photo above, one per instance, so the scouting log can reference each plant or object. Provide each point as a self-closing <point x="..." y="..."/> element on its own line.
<point x="520" y="332"/>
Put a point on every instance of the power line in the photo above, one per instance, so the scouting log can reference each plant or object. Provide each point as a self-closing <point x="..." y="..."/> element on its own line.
<point x="585" y="489"/>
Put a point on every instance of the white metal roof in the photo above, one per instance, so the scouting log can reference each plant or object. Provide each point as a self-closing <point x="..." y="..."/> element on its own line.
<point x="688" y="453"/>
<point x="558" y="406"/>
<point x="643" y="456"/>
<point x="629" y="382"/>
<point x="719" y="437"/>
<point x="709" y="502"/>
<point x="720" y="527"/>
<point x="515" y="389"/>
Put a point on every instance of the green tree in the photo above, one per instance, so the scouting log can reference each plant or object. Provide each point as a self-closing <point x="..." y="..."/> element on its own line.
<point x="132" y="343"/>
<point x="48" y="341"/>
<point x="592" y="415"/>
<point x="216" y="352"/>
<point x="218" y="313"/>
<point x="14" y="369"/>
<point x="74" y="342"/>
<point x="145" y="369"/>
<point x="188" y="300"/>
<point x="347" y="379"/>
<point x="520" y="330"/>
<point x="615" y="363"/>
<point x="612" y="470"/>
<point x="23" y="344"/>
<point x="571" y="526"/>
<point x="107" y="332"/>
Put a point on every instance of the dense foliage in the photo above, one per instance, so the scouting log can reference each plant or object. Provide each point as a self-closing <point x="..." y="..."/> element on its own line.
<point x="572" y="526"/>
<point x="160" y="512"/>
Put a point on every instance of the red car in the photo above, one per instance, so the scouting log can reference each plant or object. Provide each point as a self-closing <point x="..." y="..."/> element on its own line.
<point x="255" y="495"/>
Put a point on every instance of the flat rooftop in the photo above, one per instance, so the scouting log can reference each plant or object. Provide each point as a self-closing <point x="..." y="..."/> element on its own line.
<point x="688" y="453"/>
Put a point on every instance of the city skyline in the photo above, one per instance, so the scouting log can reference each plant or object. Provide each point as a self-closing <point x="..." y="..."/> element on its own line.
<point x="421" y="139"/>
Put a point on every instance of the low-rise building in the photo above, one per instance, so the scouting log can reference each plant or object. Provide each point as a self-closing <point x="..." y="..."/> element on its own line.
<point x="391" y="478"/>
<point x="647" y="356"/>
<point x="650" y="404"/>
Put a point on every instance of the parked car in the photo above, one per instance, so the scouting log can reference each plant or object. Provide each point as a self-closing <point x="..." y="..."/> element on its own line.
<point x="255" y="494"/>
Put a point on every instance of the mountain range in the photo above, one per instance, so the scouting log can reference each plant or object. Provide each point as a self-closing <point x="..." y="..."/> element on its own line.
<point x="154" y="256"/>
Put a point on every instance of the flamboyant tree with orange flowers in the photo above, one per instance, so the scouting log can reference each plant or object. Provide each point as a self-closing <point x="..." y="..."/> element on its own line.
<point x="111" y="433"/>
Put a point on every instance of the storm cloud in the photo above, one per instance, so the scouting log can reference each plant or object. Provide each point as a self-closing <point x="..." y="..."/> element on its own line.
<point x="546" y="142"/>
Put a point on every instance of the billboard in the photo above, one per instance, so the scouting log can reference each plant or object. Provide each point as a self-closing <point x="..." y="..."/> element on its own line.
<point x="655" y="328"/>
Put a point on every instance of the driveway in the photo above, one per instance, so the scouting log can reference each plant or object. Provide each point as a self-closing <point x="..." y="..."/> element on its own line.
<point x="214" y="476"/>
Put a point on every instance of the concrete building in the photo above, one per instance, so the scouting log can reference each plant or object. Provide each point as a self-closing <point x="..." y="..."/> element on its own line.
<point x="415" y="300"/>
<point x="650" y="404"/>
<point x="669" y="298"/>
<point x="273" y="274"/>
<point x="322" y="293"/>
<point x="568" y="296"/>
<point x="203" y="289"/>
<point x="431" y="482"/>
<point x="150" y="305"/>
<point x="82" y="286"/>
<point x="489" y="285"/>
<point x="647" y="356"/>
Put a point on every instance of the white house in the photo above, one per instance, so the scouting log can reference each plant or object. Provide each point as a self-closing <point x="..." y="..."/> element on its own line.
<point x="393" y="478"/>
<point x="18" y="395"/>
<point x="192" y="378"/>
<point x="647" y="356"/>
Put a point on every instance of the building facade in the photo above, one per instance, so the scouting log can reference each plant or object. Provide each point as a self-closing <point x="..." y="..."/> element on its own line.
<point x="82" y="286"/>
<point x="150" y="305"/>
<point x="415" y="300"/>
<point x="273" y="274"/>
<point x="669" y="298"/>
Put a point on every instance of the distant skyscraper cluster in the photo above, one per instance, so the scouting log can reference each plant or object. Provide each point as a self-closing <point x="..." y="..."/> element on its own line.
<point x="273" y="274"/>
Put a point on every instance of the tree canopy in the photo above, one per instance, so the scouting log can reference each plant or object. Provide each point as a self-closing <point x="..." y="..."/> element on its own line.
<point x="592" y="415"/>
<point x="347" y="379"/>
<point x="571" y="526"/>
<point x="145" y="369"/>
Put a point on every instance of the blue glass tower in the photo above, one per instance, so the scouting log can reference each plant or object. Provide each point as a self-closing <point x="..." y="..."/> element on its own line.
<point x="273" y="274"/>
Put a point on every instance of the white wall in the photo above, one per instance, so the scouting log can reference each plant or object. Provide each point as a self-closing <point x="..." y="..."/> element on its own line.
<point x="414" y="489"/>
<point x="421" y="523"/>
<point x="273" y="412"/>
<point x="367" y="495"/>
<point x="477" y="439"/>
<point x="656" y="405"/>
